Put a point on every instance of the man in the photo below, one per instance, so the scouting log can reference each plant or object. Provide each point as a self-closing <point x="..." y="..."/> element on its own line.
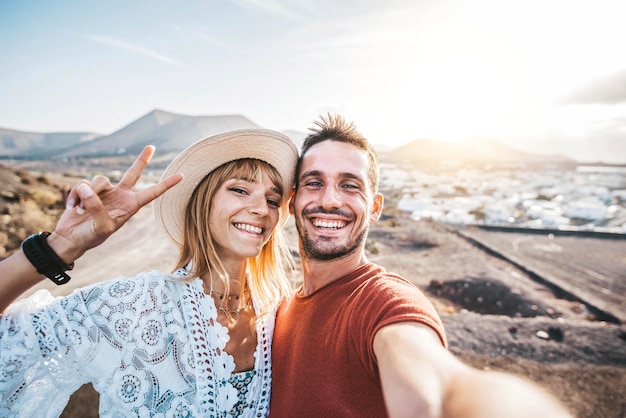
<point x="355" y="340"/>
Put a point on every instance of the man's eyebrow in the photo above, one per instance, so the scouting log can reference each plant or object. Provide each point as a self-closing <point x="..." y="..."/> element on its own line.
<point x="311" y="173"/>
<point x="346" y="174"/>
<point x="353" y="177"/>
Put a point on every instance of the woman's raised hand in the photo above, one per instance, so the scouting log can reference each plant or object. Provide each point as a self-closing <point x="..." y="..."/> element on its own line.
<point x="96" y="209"/>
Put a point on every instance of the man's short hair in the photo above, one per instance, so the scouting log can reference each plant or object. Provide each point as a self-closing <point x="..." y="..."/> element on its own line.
<point x="333" y="127"/>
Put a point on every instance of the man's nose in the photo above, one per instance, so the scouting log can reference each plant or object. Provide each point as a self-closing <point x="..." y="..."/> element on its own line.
<point x="330" y="198"/>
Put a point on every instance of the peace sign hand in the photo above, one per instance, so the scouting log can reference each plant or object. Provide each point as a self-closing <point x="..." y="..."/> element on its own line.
<point x="96" y="209"/>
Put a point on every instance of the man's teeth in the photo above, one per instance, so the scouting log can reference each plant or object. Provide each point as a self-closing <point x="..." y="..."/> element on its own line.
<point x="329" y="224"/>
<point x="249" y="228"/>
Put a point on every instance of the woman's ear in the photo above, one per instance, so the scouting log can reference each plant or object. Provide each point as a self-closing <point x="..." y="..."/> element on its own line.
<point x="377" y="207"/>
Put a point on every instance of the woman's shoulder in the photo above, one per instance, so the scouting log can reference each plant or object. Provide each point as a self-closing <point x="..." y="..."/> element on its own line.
<point x="142" y="279"/>
<point x="149" y="282"/>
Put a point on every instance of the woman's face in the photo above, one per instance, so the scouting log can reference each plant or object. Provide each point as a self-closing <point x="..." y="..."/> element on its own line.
<point x="244" y="213"/>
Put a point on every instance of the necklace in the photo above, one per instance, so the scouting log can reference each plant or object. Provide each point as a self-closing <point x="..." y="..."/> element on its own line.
<point x="232" y="314"/>
<point x="222" y="295"/>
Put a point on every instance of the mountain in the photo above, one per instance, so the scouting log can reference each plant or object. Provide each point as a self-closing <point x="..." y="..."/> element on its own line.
<point x="478" y="150"/>
<point x="169" y="132"/>
<point x="18" y="144"/>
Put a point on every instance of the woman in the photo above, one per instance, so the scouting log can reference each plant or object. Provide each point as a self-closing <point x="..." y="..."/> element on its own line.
<point x="192" y="343"/>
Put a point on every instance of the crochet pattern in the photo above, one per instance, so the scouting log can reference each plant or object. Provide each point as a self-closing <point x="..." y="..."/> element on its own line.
<point x="151" y="346"/>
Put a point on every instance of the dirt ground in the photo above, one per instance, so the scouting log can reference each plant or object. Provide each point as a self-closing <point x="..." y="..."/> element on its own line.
<point x="496" y="316"/>
<point x="499" y="318"/>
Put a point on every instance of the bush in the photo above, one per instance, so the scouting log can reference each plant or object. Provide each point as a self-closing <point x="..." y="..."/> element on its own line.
<point x="426" y="234"/>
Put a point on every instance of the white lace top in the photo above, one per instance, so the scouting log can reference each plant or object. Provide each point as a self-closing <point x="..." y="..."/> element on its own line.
<point x="152" y="347"/>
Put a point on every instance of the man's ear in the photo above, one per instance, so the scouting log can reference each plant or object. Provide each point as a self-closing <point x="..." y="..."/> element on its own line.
<point x="291" y="203"/>
<point x="377" y="207"/>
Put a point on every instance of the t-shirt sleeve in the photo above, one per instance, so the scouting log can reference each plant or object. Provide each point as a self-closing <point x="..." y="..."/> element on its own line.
<point x="390" y="301"/>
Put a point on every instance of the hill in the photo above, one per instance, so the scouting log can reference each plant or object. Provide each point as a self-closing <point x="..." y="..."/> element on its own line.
<point x="28" y="202"/>
<point x="20" y="145"/>
<point x="171" y="133"/>
<point x="473" y="151"/>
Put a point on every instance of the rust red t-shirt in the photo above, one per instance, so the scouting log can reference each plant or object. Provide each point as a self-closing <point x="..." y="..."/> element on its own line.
<point x="323" y="362"/>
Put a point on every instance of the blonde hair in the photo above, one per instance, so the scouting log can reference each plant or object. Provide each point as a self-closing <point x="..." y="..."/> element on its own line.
<point x="268" y="270"/>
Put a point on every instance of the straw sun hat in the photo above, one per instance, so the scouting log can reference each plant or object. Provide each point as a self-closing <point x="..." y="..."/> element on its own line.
<point x="202" y="157"/>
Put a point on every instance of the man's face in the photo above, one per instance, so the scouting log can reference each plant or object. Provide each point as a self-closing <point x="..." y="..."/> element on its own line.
<point x="334" y="204"/>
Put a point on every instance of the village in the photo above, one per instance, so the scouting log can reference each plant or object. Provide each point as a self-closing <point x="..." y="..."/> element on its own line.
<point x="587" y="198"/>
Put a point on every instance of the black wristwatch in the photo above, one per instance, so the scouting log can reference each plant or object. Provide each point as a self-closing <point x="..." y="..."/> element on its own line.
<point x="44" y="259"/>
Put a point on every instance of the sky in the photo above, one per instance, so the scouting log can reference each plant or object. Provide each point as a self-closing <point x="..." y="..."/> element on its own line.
<point x="547" y="76"/>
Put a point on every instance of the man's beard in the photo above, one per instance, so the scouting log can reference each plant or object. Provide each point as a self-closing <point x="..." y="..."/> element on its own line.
<point x="325" y="251"/>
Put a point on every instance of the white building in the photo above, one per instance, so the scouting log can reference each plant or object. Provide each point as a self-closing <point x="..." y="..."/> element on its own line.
<point x="585" y="209"/>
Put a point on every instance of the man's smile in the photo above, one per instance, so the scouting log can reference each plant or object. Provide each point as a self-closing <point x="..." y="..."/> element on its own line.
<point x="326" y="224"/>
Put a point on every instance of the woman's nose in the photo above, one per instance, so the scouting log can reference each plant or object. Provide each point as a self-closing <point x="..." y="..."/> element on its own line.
<point x="259" y="206"/>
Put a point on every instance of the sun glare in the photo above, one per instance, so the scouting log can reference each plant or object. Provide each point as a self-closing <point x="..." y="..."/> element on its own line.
<point x="463" y="95"/>
<point x="477" y="76"/>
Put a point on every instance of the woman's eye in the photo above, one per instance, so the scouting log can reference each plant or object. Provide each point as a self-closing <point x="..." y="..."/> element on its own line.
<point x="237" y="190"/>
<point x="273" y="203"/>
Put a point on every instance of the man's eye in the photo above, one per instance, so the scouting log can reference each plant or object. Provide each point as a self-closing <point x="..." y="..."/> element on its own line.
<point x="313" y="184"/>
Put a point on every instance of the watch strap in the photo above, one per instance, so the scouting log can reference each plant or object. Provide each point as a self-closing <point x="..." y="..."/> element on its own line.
<point x="44" y="259"/>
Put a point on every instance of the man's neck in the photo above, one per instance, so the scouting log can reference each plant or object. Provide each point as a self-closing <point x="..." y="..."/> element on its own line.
<point x="318" y="273"/>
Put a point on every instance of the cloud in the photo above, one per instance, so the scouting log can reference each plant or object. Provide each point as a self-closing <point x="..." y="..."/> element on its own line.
<point x="283" y="8"/>
<point x="608" y="90"/>
<point x="211" y="40"/>
<point x="137" y="49"/>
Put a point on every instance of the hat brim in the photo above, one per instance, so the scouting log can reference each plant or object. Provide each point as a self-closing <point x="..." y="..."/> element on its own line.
<point x="203" y="156"/>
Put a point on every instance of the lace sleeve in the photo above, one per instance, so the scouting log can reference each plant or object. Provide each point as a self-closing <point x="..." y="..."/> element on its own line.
<point x="50" y="347"/>
<point x="30" y="358"/>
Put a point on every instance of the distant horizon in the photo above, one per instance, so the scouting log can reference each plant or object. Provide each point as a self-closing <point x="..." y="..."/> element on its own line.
<point x="380" y="147"/>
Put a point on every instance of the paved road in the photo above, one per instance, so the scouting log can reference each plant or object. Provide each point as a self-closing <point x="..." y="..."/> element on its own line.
<point x="592" y="269"/>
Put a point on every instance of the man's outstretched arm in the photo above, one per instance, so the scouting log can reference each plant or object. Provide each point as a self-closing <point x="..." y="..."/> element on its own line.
<point x="420" y="378"/>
